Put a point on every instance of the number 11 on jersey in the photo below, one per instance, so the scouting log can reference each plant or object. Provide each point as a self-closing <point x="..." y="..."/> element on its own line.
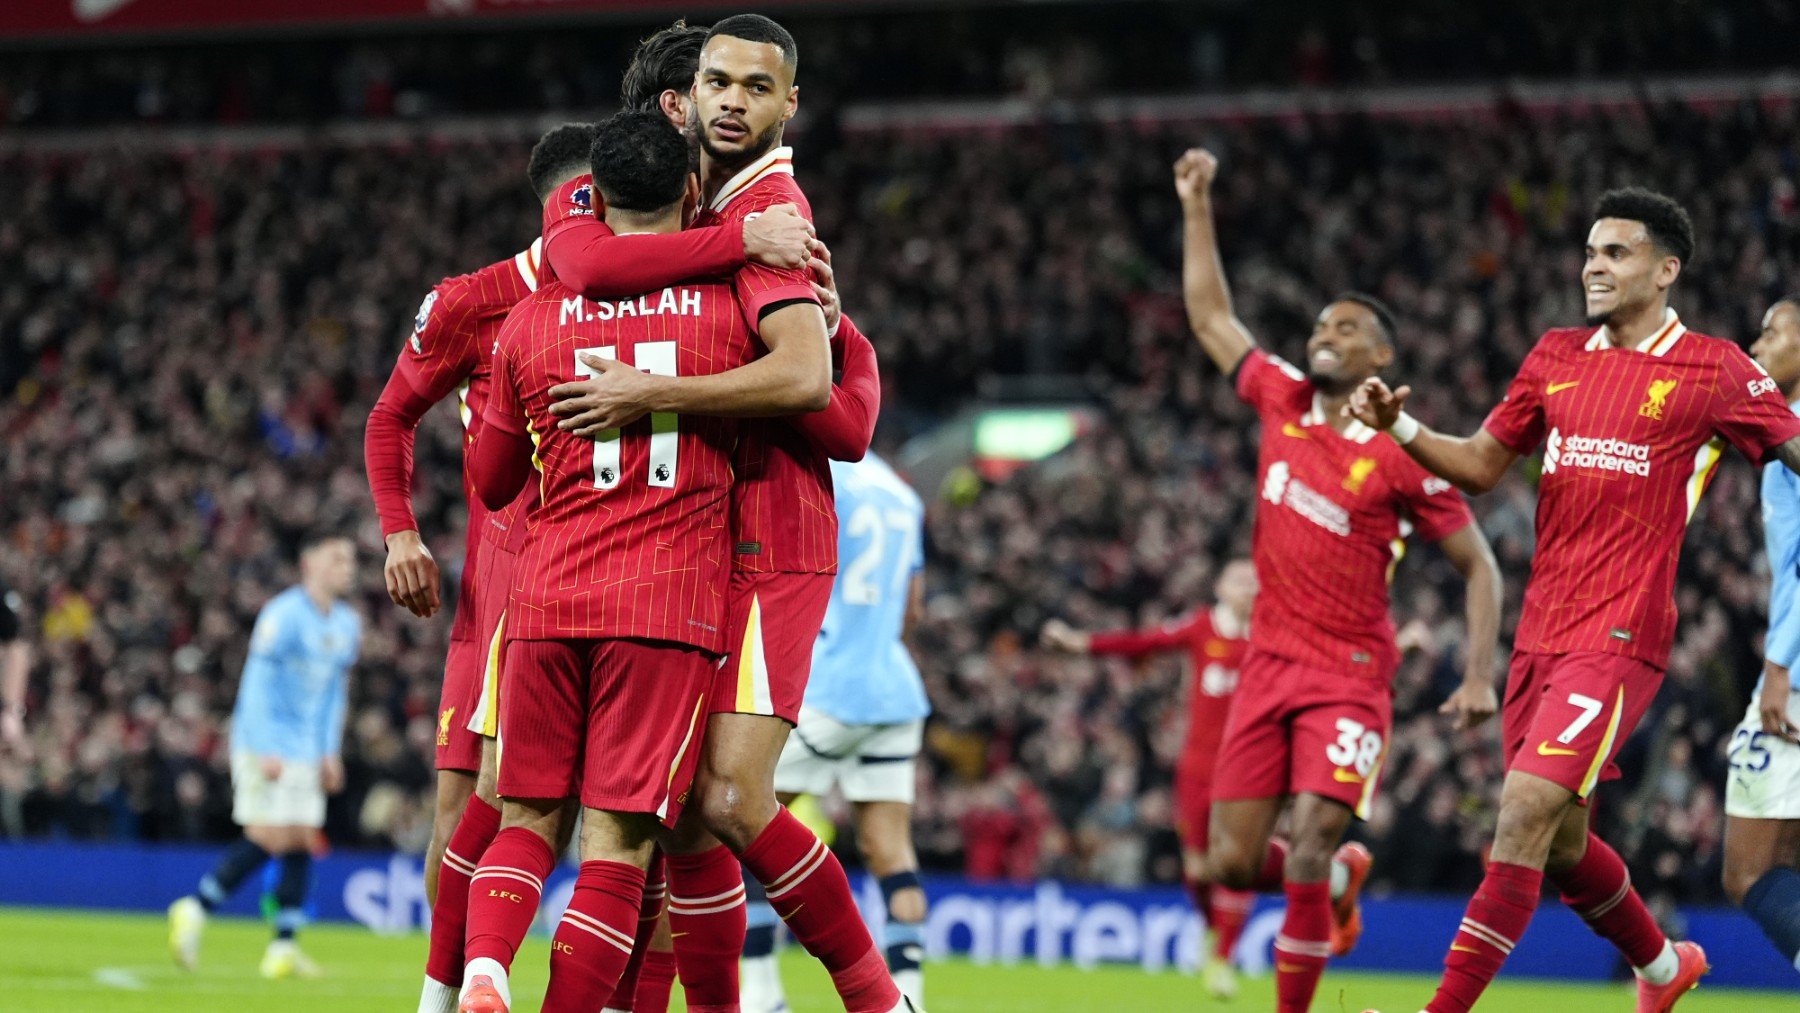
<point x="656" y="357"/>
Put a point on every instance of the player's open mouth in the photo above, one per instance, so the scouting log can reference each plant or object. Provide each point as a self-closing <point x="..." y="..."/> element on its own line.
<point x="1325" y="358"/>
<point x="729" y="130"/>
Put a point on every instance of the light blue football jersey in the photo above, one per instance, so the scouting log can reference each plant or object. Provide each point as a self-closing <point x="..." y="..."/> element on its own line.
<point x="862" y="674"/>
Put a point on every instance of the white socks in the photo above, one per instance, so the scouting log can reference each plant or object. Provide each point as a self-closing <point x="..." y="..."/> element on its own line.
<point x="912" y="985"/>
<point x="437" y="997"/>
<point x="490" y="967"/>
<point x="1662" y="970"/>
<point x="1340" y="879"/>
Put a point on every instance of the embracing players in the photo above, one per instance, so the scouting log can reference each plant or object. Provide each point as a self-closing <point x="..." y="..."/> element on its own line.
<point x="1314" y="702"/>
<point x="1215" y="639"/>
<point x="1633" y="412"/>
<point x="785" y="553"/>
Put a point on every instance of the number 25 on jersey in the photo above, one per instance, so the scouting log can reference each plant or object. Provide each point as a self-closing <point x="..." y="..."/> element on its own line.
<point x="656" y="357"/>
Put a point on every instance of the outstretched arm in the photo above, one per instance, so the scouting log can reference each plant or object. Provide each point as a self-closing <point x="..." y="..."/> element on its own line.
<point x="591" y="258"/>
<point x="1475" y="701"/>
<point x="1474" y="464"/>
<point x="1221" y="334"/>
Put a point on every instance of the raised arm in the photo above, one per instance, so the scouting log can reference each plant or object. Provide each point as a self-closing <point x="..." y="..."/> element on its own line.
<point x="1475" y="701"/>
<point x="793" y="378"/>
<point x="1221" y="334"/>
<point x="1474" y="464"/>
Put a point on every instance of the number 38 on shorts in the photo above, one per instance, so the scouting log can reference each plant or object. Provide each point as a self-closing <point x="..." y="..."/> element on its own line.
<point x="1357" y="749"/>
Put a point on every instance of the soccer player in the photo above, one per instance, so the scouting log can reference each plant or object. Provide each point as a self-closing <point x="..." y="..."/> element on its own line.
<point x="1215" y="639"/>
<point x="862" y="720"/>
<point x="286" y="731"/>
<point x="1633" y="411"/>
<point x="1314" y="703"/>
<point x="1762" y="797"/>
<point x="785" y="534"/>
<point x="15" y="668"/>
<point x="618" y="612"/>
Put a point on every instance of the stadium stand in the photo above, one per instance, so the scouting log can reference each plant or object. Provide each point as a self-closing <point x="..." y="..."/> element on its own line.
<point x="209" y="395"/>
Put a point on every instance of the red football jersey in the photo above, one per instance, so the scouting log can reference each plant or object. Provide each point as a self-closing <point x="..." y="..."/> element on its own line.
<point x="1631" y="438"/>
<point x="450" y="350"/>
<point x="1333" y="512"/>
<point x="631" y="537"/>
<point x="572" y="202"/>
<point x="782" y="510"/>
<point x="1215" y="642"/>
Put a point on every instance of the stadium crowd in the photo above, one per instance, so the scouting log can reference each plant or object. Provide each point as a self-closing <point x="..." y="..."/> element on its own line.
<point x="189" y="344"/>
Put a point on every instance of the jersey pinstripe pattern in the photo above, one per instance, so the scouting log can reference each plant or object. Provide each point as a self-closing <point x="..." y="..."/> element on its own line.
<point x="1631" y="437"/>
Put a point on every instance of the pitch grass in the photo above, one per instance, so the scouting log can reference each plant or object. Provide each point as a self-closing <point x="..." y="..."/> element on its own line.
<point x="106" y="963"/>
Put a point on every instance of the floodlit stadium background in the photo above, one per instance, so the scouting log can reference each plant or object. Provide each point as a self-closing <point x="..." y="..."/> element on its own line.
<point x="219" y="223"/>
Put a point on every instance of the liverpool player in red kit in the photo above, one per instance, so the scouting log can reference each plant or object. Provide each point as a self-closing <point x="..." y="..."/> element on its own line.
<point x="449" y="350"/>
<point x="785" y="533"/>
<point x="1215" y="639"/>
<point x="1314" y="702"/>
<point x="618" y="612"/>
<point x="1633" y="412"/>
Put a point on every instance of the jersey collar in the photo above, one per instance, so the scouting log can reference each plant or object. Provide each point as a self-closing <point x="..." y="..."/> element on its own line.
<point x="778" y="161"/>
<point x="1355" y="432"/>
<point x="1658" y="343"/>
<point x="530" y="262"/>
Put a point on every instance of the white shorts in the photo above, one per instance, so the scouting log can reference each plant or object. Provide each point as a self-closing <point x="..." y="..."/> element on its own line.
<point x="873" y="763"/>
<point x="295" y="799"/>
<point x="1763" y="782"/>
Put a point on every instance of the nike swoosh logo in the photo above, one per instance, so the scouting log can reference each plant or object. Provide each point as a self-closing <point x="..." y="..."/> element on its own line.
<point x="94" y="10"/>
<point x="1546" y="749"/>
<point x="1289" y="429"/>
<point x="676" y="935"/>
<point x="1553" y="388"/>
<point x="1346" y="777"/>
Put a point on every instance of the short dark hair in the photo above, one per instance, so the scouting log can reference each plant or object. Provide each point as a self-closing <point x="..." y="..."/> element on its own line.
<point x="666" y="61"/>
<point x="1383" y="315"/>
<point x="640" y="161"/>
<point x="756" y="28"/>
<point x="312" y="539"/>
<point x="559" y="154"/>
<point x="1667" y="222"/>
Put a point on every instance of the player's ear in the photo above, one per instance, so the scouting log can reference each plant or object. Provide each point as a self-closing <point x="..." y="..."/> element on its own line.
<point x="793" y="104"/>
<point x="674" y="106"/>
<point x="1668" y="272"/>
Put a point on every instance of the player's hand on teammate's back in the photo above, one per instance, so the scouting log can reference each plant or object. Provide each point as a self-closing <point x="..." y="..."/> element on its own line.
<point x="331" y="775"/>
<point x="411" y="574"/>
<point x="1472" y="703"/>
<point x="270" y="767"/>
<point x="1374" y="405"/>
<point x="616" y="395"/>
<point x="1194" y="173"/>
<point x="825" y="285"/>
<point x="779" y="237"/>
<point x="1772" y="704"/>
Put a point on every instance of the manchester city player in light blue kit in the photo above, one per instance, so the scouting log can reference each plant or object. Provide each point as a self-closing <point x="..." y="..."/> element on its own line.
<point x="1762" y="795"/>
<point x="863" y="718"/>
<point x="285" y="736"/>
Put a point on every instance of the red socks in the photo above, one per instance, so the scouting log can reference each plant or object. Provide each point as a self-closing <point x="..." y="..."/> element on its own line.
<point x="1227" y="911"/>
<point x="504" y="894"/>
<point x="1599" y="890"/>
<point x="593" y="939"/>
<point x="1303" y="946"/>
<point x="706" y="917"/>
<point x="656" y="887"/>
<point x="808" y="889"/>
<point x="450" y="915"/>
<point x="655" y="981"/>
<point x="1497" y="916"/>
<point x="1273" y="875"/>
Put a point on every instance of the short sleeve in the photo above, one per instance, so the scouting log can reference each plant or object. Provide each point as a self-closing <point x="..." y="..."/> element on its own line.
<point x="440" y="353"/>
<point x="1269" y="383"/>
<point x="1518" y="420"/>
<point x="1748" y="409"/>
<point x="571" y="202"/>
<point x="759" y="286"/>
<point x="1437" y="509"/>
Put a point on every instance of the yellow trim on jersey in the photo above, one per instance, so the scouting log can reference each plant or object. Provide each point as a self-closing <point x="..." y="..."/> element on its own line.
<point x="753" y="666"/>
<point x="1705" y="460"/>
<point x="1606" y="743"/>
<point x="490" y="682"/>
<point x="1366" y="803"/>
<point x="780" y="160"/>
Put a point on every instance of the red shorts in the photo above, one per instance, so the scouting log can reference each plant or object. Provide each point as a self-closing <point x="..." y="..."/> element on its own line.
<point x="617" y="722"/>
<point x="493" y="584"/>
<point x="1297" y="728"/>
<point x="775" y="620"/>
<point x="1566" y="715"/>
<point x="1193" y="800"/>
<point x="458" y="748"/>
